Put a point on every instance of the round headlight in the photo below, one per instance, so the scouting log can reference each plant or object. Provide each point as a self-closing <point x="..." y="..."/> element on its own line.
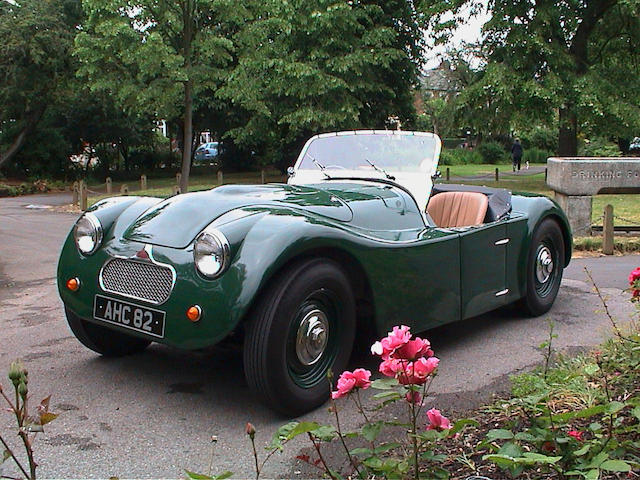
<point x="87" y="233"/>
<point x="211" y="253"/>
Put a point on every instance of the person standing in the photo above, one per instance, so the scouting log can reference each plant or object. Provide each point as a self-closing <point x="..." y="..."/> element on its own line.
<point x="516" y="154"/>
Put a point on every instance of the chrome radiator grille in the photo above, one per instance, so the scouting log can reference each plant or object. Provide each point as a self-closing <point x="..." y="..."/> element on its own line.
<point x="139" y="280"/>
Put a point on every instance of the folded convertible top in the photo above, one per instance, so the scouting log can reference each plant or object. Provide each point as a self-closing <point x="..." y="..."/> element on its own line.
<point x="499" y="198"/>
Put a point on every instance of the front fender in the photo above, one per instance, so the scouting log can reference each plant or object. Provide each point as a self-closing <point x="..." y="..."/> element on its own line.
<point x="264" y="247"/>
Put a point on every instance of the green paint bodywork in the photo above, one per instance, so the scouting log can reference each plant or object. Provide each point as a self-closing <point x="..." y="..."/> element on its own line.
<point x="409" y="273"/>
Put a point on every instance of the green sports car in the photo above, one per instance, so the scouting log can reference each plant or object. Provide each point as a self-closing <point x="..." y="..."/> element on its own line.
<point x="358" y="240"/>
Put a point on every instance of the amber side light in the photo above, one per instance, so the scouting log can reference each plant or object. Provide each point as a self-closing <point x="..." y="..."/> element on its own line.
<point x="194" y="313"/>
<point x="73" y="284"/>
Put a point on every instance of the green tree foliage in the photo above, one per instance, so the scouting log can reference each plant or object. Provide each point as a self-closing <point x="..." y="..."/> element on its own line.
<point x="161" y="57"/>
<point x="306" y="66"/>
<point x="35" y="66"/>
<point x="93" y="120"/>
<point x="578" y="58"/>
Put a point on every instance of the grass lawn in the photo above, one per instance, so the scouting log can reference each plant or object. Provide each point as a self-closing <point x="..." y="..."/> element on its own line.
<point x="481" y="169"/>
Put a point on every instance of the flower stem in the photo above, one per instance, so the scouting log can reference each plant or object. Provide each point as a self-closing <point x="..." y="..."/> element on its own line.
<point x="27" y="446"/>
<point x="414" y="435"/>
<point x="616" y="330"/>
<point x="255" y="457"/>
<point x="324" y="464"/>
<point x="361" y="407"/>
<point x="339" y="429"/>
<point x="24" y="472"/>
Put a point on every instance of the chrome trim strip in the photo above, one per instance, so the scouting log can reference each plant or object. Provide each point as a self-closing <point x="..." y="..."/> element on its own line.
<point x="504" y="241"/>
<point x="502" y="292"/>
<point x="148" y="249"/>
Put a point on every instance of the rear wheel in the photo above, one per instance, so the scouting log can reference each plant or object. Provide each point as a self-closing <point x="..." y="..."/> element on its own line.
<point x="103" y="340"/>
<point x="544" y="268"/>
<point x="302" y="326"/>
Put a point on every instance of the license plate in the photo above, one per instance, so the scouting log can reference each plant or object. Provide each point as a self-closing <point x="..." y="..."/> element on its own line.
<point x="128" y="315"/>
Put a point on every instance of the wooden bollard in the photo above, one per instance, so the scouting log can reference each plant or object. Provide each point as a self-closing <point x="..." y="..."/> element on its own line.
<point x="448" y="173"/>
<point x="178" y="178"/>
<point x="83" y="196"/>
<point x="220" y="177"/>
<point x="124" y="189"/>
<point x="143" y="182"/>
<point x="109" y="185"/>
<point x="176" y="190"/>
<point x="76" y="193"/>
<point x="497" y="174"/>
<point x="81" y="186"/>
<point x="607" y="230"/>
<point x="262" y="176"/>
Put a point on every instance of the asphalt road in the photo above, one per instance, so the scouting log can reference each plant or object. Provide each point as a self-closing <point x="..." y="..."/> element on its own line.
<point x="152" y="415"/>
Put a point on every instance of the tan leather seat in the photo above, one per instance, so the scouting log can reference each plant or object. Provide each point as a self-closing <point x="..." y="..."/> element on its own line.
<point x="458" y="209"/>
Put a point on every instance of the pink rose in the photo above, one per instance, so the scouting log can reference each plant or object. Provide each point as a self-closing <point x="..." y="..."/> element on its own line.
<point x="362" y="378"/>
<point x="576" y="434"/>
<point x="414" y="349"/>
<point x="634" y="281"/>
<point x="413" y="397"/>
<point x="437" y="421"/>
<point x="391" y="367"/>
<point x="359" y="378"/>
<point x="388" y="345"/>
<point x="416" y="373"/>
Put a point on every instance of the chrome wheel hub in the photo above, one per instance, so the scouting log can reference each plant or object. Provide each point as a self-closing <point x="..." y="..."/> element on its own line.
<point x="544" y="265"/>
<point x="312" y="337"/>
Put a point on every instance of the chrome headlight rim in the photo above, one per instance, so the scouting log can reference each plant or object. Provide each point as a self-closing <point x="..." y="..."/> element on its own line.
<point x="97" y="230"/>
<point x="225" y="252"/>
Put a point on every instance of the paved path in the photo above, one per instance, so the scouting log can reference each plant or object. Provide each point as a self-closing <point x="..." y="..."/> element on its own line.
<point x="151" y="415"/>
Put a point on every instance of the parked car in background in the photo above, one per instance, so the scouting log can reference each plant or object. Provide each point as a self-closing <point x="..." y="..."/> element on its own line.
<point x="634" y="146"/>
<point x="206" y="154"/>
<point x="358" y="239"/>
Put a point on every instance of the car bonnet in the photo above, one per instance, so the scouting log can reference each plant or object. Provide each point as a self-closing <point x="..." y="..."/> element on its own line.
<point x="176" y="221"/>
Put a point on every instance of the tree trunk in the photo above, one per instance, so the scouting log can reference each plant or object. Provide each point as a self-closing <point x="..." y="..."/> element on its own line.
<point x="568" y="132"/>
<point x="187" y="140"/>
<point x="32" y="119"/>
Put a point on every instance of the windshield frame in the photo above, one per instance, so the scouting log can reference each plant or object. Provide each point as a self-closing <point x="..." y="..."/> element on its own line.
<point x="418" y="182"/>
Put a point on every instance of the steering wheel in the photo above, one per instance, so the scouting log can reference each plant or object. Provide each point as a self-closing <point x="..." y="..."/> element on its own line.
<point x="339" y="167"/>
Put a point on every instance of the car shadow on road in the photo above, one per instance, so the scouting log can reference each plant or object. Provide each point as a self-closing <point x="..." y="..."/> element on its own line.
<point x="212" y="379"/>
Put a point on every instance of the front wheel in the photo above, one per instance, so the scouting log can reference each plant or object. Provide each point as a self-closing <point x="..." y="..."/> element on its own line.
<point x="302" y="326"/>
<point x="544" y="268"/>
<point x="103" y="340"/>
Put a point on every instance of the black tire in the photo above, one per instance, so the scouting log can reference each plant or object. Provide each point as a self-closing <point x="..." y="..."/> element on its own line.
<point x="273" y="363"/>
<point x="542" y="283"/>
<point x="103" y="340"/>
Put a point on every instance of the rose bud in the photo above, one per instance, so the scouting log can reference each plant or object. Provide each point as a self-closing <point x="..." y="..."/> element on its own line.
<point x="15" y="373"/>
<point x="251" y="430"/>
<point x="22" y="390"/>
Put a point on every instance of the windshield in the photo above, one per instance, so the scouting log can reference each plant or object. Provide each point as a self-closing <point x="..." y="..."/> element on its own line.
<point x="408" y="158"/>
